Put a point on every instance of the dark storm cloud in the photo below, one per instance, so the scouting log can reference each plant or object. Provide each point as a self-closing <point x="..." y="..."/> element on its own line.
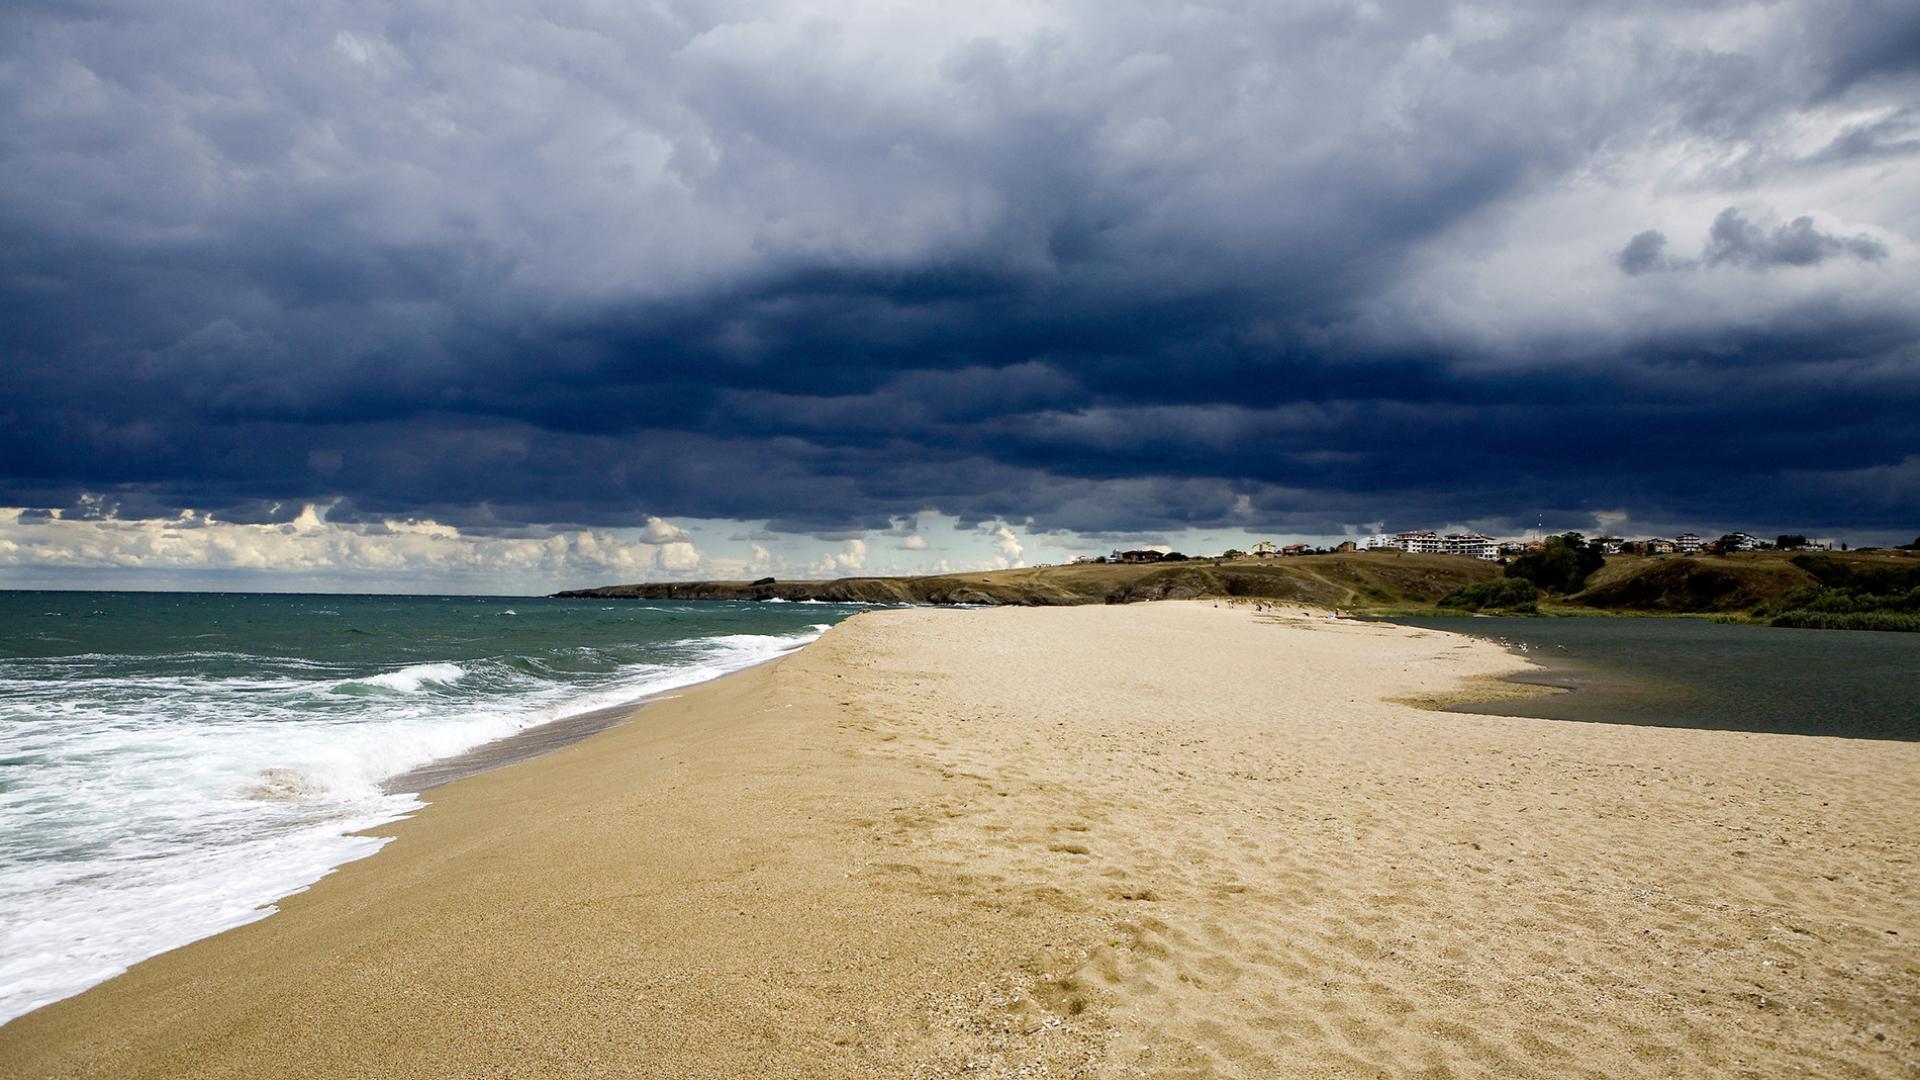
<point x="1106" y="267"/>
<point x="1873" y="40"/>
<point x="1734" y="239"/>
<point x="1647" y="251"/>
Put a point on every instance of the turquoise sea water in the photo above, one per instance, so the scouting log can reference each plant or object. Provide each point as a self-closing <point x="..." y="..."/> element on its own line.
<point x="1695" y="673"/>
<point x="171" y="762"/>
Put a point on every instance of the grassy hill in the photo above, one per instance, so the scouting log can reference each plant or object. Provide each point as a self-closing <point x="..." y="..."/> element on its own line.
<point x="1832" y="588"/>
<point x="1719" y="584"/>
<point x="1348" y="580"/>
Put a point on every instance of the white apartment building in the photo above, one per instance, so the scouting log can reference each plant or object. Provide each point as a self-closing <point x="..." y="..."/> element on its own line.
<point x="1472" y="545"/>
<point x="1428" y="542"/>
<point x="1419" y="542"/>
<point x="1688" y="544"/>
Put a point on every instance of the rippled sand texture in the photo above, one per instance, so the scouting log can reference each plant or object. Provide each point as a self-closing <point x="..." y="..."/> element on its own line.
<point x="1159" y="840"/>
<point x="1284" y="875"/>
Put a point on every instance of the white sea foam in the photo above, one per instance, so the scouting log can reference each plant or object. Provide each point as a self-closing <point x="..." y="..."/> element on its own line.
<point x="410" y="679"/>
<point x="179" y="805"/>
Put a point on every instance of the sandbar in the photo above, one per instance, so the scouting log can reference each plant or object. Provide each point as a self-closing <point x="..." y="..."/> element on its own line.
<point x="1163" y="840"/>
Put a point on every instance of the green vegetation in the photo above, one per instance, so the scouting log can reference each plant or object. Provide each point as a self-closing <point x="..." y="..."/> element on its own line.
<point x="1562" y="565"/>
<point x="1848" y="620"/>
<point x="1843" y="590"/>
<point x="1689" y="584"/>
<point x="1350" y="580"/>
<point x="1848" y="598"/>
<point x="1505" y="594"/>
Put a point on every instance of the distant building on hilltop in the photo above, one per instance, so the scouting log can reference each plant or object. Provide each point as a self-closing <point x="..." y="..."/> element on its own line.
<point x="1265" y="549"/>
<point x="1688" y="544"/>
<point x="1472" y="545"/>
<point x="1419" y="542"/>
<point x="1427" y="542"/>
<point x="1141" y="556"/>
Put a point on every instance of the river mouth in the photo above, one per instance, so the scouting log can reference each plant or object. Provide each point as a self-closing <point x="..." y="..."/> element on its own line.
<point x="1692" y="673"/>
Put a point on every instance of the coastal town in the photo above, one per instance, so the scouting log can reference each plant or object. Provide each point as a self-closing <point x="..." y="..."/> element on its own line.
<point x="1475" y="545"/>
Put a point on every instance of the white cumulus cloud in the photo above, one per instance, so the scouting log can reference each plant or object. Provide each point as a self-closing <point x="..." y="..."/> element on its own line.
<point x="661" y="531"/>
<point x="1011" y="551"/>
<point x="852" y="556"/>
<point x="409" y="555"/>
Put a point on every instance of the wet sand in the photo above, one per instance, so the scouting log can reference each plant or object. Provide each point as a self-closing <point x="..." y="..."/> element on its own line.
<point x="1158" y="840"/>
<point x="520" y="746"/>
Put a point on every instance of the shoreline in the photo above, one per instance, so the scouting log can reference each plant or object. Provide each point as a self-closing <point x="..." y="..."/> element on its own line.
<point x="1162" y="839"/>
<point x="523" y="745"/>
<point x="541" y="739"/>
<point x="1688" y="673"/>
<point x="347" y="840"/>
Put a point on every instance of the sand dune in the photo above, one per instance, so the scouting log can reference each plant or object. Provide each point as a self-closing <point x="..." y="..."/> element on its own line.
<point x="1166" y="840"/>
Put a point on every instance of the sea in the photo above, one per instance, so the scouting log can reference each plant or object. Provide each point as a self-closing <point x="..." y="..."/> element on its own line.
<point x="173" y="763"/>
<point x="1659" y="672"/>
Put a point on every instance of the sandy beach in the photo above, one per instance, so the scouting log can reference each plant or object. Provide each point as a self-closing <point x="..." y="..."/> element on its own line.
<point x="1164" y="840"/>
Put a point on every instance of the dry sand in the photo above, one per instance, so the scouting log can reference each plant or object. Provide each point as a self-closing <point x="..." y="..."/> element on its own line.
<point x="1165" y="840"/>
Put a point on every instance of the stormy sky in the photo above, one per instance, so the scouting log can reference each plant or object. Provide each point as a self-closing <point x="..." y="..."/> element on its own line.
<point x="614" y="290"/>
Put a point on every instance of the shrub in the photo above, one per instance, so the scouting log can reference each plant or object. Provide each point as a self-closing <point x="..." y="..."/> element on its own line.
<point x="1562" y="565"/>
<point x="1848" y="598"/>
<point x="1849" y="620"/>
<point x="1509" y="594"/>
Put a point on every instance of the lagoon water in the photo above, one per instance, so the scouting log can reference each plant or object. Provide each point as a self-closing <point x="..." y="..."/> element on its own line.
<point x="1695" y="673"/>
<point x="170" y="763"/>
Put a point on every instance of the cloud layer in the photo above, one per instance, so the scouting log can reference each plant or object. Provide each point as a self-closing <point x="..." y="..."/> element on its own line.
<point x="405" y="556"/>
<point x="1084" y="266"/>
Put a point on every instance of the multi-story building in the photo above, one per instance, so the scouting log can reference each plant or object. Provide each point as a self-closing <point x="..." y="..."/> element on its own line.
<point x="1472" y="545"/>
<point x="1660" y="546"/>
<point x="1265" y="549"/>
<point x="1419" y="542"/>
<point x="1689" y="544"/>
